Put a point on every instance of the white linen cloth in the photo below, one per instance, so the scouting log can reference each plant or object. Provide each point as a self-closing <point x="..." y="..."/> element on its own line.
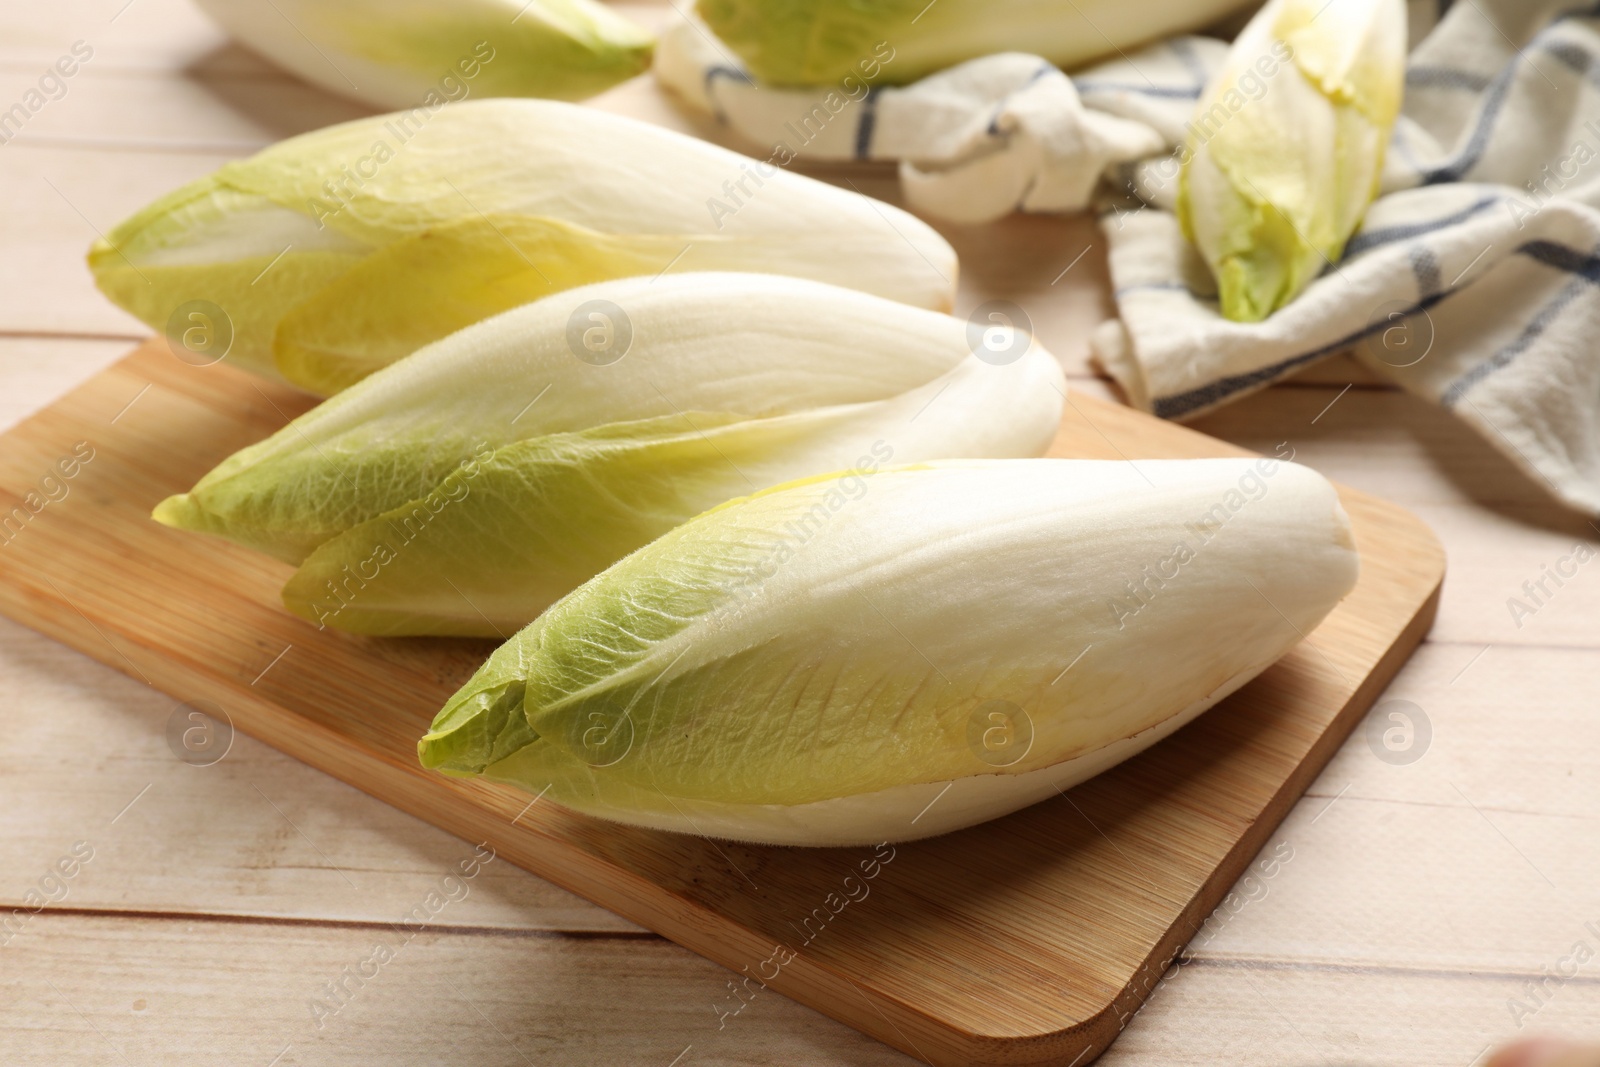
<point x="1474" y="281"/>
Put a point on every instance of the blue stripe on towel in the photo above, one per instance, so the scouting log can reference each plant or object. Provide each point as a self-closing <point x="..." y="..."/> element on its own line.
<point x="1174" y="92"/>
<point x="1367" y="240"/>
<point x="1510" y="352"/>
<point x="1178" y="46"/>
<point x="1425" y="268"/>
<point x="1563" y="258"/>
<point x="1581" y="264"/>
<point x="722" y="71"/>
<point x="1174" y="407"/>
<point x="1495" y="97"/>
<point x="1360" y="243"/>
<point x="1574" y="58"/>
<point x="993" y="129"/>
<point x="867" y="123"/>
<point x="1585" y="269"/>
<point x="1478" y="142"/>
<point x="731" y="73"/>
<point x="1446" y="78"/>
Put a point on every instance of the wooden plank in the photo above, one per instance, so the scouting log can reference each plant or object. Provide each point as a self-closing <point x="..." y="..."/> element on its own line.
<point x="1394" y="444"/>
<point x="45" y="286"/>
<point x="1263" y="1014"/>
<point x="36" y="370"/>
<point x="206" y="110"/>
<point x="257" y="834"/>
<point x="224" y="994"/>
<point x="1338" y="371"/>
<point x="1369" y="882"/>
<point x="1508" y="550"/>
<point x="162" y="36"/>
<point x="1076" y="898"/>
<point x="1388" y="865"/>
<point x="1397" y="875"/>
<point x="1459" y="853"/>
<point x="207" y="994"/>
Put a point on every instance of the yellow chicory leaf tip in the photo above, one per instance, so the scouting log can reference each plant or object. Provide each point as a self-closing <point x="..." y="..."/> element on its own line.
<point x="1287" y="145"/>
<point x="335" y="253"/>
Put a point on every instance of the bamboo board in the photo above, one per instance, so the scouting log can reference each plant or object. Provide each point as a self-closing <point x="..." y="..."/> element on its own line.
<point x="1032" y="939"/>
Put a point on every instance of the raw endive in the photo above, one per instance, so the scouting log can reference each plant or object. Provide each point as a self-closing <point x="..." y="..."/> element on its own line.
<point x="466" y="488"/>
<point x="818" y="42"/>
<point x="853" y="659"/>
<point x="401" y="53"/>
<point x="335" y="253"/>
<point x="1287" y="146"/>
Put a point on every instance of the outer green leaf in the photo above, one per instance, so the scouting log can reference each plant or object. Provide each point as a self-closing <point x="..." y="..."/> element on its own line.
<point x="258" y="263"/>
<point x="817" y="42"/>
<point x="806" y="665"/>
<point x="504" y="537"/>
<point x="393" y="53"/>
<point x="1287" y="146"/>
<point x="337" y="251"/>
<point x="467" y="487"/>
<point x="453" y="276"/>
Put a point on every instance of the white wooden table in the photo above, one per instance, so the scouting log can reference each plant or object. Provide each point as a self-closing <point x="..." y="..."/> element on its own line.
<point x="1411" y="905"/>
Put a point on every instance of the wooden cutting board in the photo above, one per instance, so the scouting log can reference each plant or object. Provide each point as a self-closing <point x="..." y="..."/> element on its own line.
<point x="1031" y="939"/>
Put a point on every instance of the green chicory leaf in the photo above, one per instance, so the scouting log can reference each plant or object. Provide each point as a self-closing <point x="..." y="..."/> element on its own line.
<point x="820" y="42"/>
<point x="337" y="252"/>
<point x="1287" y="146"/>
<point x="821" y="662"/>
<point x="404" y="53"/>
<point x="468" y="486"/>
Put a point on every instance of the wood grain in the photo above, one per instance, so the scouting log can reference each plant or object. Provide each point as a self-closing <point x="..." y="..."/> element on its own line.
<point x="222" y="994"/>
<point x="1397" y="935"/>
<point x="213" y="993"/>
<point x="1086" y="898"/>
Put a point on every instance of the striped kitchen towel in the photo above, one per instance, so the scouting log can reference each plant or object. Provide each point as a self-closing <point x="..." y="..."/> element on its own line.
<point x="1474" y="282"/>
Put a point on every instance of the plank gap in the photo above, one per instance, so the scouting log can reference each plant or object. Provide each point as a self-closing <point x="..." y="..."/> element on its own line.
<point x="1367" y="969"/>
<point x="221" y="917"/>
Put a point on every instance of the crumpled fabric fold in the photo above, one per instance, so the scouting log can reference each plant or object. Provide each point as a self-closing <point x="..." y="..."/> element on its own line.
<point x="1474" y="281"/>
